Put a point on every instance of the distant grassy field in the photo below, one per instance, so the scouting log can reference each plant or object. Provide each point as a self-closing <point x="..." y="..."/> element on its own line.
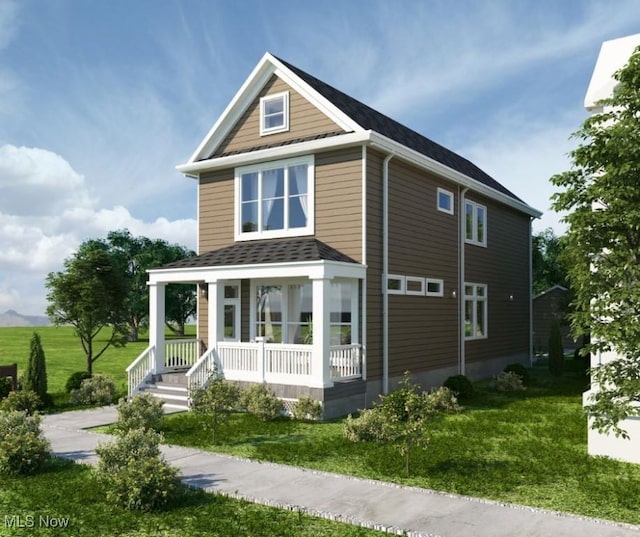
<point x="64" y="354"/>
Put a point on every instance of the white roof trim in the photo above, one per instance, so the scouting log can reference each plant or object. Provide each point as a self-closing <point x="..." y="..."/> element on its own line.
<point x="267" y="66"/>
<point x="402" y="151"/>
<point x="553" y="288"/>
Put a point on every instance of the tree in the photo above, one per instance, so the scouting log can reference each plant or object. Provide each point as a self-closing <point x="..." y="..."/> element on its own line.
<point x="216" y="401"/>
<point x="90" y="295"/>
<point x="601" y="194"/>
<point x="135" y="256"/>
<point x="36" y="376"/>
<point x="548" y="266"/>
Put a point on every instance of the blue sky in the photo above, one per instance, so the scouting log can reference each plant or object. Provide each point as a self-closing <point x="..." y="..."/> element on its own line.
<point x="100" y="100"/>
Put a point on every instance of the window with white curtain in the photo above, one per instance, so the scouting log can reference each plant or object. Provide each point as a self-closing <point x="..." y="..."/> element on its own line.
<point x="275" y="199"/>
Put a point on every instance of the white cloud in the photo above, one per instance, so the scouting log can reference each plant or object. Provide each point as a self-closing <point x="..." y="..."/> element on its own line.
<point x="45" y="213"/>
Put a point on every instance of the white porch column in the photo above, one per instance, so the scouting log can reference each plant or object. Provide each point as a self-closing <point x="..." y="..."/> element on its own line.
<point x="156" y="323"/>
<point x="215" y="328"/>
<point x="320" y="372"/>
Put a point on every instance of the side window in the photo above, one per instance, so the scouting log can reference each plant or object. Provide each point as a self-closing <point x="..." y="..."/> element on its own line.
<point x="475" y="223"/>
<point x="445" y="201"/>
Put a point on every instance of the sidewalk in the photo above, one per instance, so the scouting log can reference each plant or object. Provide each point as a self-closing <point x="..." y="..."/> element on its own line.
<point x="373" y="504"/>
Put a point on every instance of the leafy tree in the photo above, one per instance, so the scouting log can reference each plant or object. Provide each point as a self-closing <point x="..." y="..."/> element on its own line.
<point x="556" y="350"/>
<point x="216" y="401"/>
<point x="548" y="266"/>
<point x="136" y="255"/>
<point x="90" y="295"/>
<point x="602" y="197"/>
<point x="36" y="377"/>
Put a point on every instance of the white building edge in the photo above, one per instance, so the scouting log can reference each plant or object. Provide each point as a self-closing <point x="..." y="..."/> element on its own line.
<point x="613" y="56"/>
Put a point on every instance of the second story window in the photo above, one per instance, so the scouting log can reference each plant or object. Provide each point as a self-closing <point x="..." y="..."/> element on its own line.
<point x="274" y="199"/>
<point x="274" y="113"/>
<point x="476" y="223"/>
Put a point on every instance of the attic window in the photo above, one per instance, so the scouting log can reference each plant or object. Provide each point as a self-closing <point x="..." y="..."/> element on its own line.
<point x="274" y="113"/>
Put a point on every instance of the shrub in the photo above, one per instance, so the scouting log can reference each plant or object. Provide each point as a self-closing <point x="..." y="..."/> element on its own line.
<point x="21" y="401"/>
<point x="556" y="350"/>
<point x="75" y="380"/>
<point x="216" y="401"/>
<point x="519" y="370"/>
<point x="307" y="408"/>
<point x="135" y="473"/>
<point x="370" y="426"/>
<point x="509" y="381"/>
<point x="144" y="411"/>
<point x="97" y="390"/>
<point x="260" y="401"/>
<point x="36" y="377"/>
<point x="6" y="384"/>
<point x="460" y="385"/>
<point x="23" y="449"/>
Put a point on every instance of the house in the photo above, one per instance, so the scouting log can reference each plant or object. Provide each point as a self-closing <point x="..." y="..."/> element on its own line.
<point x="549" y="306"/>
<point x="339" y="249"/>
<point x="613" y="56"/>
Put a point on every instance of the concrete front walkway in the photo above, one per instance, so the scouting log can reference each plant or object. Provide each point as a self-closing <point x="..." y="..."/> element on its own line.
<point x="373" y="504"/>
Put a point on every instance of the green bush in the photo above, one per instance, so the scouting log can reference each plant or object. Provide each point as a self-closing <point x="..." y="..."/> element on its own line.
<point x="144" y="411"/>
<point x="260" y="401"/>
<point x="460" y="385"/>
<point x="97" y="390"/>
<point x="21" y="401"/>
<point x="75" y="380"/>
<point x="521" y="371"/>
<point x="23" y="449"/>
<point x="36" y="376"/>
<point x="134" y="472"/>
<point x="556" y="350"/>
<point x="216" y="401"/>
<point x="370" y="426"/>
<point x="307" y="408"/>
<point x="509" y="381"/>
<point x="6" y="384"/>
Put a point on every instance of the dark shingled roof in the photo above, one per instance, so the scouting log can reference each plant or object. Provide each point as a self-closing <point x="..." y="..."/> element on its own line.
<point x="371" y="119"/>
<point x="264" y="252"/>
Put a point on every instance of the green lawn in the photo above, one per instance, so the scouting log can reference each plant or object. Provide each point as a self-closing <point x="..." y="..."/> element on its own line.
<point x="67" y="490"/>
<point x="64" y="355"/>
<point x="527" y="449"/>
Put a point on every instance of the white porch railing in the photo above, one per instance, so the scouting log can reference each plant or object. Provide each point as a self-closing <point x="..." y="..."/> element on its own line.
<point x="141" y="370"/>
<point x="200" y="372"/>
<point x="181" y="353"/>
<point x="345" y="362"/>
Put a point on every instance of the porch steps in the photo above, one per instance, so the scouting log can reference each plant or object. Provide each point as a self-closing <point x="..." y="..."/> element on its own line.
<point x="171" y="388"/>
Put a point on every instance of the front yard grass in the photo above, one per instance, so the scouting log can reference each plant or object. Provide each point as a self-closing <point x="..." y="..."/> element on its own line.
<point x="527" y="449"/>
<point x="70" y="491"/>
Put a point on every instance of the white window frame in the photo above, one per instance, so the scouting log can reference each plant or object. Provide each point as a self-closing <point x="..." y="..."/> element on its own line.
<point x="416" y="280"/>
<point x="264" y="131"/>
<point x="475" y="298"/>
<point x="398" y="277"/>
<point x="237" y="302"/>
<point x="440" y="291"/>
<point x="451" y="197"/>
<point x="474" y="228"/>
<point x="286" y="231"/>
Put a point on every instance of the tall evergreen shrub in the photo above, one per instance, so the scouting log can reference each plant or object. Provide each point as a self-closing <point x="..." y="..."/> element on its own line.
<point x="556" y="350"/>
<point x="36" y="375"/>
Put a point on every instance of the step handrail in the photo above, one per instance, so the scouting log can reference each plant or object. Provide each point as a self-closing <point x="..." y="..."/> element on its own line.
<point x="200" y="372"/>
<point x="141" y="369"/>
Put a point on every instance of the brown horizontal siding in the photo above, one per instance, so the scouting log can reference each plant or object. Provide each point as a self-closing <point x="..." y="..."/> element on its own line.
<point x="304" y="120"/>
<point x="374" y="265"/>
<point x="203" y="319"/>
<point x="216" y="214"/>
<point x="245" y="309"/>
<point x="504" y="266"/>
<point x="338" y="200"/>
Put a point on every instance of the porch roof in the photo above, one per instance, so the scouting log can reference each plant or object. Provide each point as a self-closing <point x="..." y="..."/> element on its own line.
<point x="295" y="250"/>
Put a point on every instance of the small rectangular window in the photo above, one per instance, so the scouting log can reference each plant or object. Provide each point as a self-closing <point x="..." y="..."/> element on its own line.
<point x="414" y="286"/>
<point x="274" y="113"/>
<point x="435" y="287"/>
<point x="445" y="201"/>
<point x="475" y="311"/>
<point x="475" y="223"/>
<point x="395" y="284"/>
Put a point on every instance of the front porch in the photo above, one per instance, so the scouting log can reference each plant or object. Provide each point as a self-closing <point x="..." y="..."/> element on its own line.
<point x="287" y="324"/>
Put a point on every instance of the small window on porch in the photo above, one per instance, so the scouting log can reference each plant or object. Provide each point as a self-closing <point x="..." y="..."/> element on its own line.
<point x="341" y="315"/>
<point x="300" y="314"/>
<point x="269" y="313"/>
